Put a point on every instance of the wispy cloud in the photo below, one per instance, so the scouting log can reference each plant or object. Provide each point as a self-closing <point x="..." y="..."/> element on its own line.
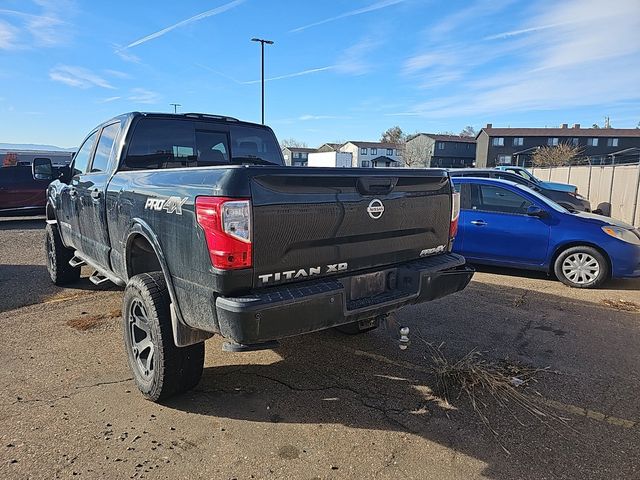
<point x="126" y="55"/>
<point x="291" y="75"/>
<point x="523" y="31"/>
<point x="109" y="99"/>
<point x="355" y="59"/>
<point x="78" y="77"/>
<point x="369" y="8"/>
<point x="142" y="95"/>
<point x="564" y="55"/>
<point x="8" y="36"/>
<point x="117" y="73"/>
<point x="217" y="72"/>
<point x="195" y="18"/>
<point x="47" y="28"/>
<point x="309" y="117"/>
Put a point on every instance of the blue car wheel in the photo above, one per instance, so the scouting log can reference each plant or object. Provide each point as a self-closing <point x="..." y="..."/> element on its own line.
<point x="581" y="267"/>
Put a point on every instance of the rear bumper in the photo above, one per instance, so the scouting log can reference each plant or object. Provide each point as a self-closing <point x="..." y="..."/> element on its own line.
<point x="295" y="309"/>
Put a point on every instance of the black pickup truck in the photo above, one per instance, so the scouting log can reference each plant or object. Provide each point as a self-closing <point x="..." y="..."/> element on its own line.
<point x="198" y="218"/>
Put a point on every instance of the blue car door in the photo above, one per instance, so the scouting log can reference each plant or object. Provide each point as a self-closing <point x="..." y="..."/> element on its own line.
<point x="495" y="227"/>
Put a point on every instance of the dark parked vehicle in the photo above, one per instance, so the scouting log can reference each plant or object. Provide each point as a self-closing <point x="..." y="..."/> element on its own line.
<point x="569" y="200"/>
<point x="197" y="216"/>
<point x="22" y="193"/>
<point x="507" y="224"/>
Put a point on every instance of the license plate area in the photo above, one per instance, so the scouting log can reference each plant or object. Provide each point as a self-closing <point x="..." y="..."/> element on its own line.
<point x="369" y="284"/>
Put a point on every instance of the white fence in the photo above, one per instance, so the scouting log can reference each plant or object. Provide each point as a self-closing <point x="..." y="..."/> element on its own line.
<point x="613" y="188"/>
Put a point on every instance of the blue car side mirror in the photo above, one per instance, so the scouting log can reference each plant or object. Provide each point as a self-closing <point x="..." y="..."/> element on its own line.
<point x="535" y="211"/>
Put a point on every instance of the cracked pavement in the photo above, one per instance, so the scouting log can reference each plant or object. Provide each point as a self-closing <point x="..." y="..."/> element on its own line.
<point x="322" y="405"/>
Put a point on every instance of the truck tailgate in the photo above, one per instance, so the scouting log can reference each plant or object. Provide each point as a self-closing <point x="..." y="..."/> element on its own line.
<point x="313" y="222"/>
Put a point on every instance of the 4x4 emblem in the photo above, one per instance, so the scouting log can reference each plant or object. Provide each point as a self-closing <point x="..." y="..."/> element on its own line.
<point x="375" y="209"/>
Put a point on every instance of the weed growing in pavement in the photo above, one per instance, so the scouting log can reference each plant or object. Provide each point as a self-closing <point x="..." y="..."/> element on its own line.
<point x="481" y="380"/>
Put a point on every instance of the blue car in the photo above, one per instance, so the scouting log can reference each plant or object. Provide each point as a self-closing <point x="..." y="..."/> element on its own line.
<point x="507" y="224"/>
<point x="524" y="173"/>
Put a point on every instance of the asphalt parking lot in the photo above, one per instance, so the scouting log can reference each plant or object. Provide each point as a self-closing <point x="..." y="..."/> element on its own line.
<point x="323" y="405"/>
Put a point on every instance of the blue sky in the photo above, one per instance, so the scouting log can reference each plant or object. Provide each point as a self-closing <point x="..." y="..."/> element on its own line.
<point x="338" y="70"/>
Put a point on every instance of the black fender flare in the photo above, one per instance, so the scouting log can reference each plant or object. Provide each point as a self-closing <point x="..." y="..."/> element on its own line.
<point x="183" y="334"/>
<point x="142" y="228"/>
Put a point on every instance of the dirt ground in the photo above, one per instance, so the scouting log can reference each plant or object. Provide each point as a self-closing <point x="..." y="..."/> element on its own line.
<point x="322" y="405"/>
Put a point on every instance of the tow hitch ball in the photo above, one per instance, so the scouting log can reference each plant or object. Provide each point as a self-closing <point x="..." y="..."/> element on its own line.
<point x="404" y="341"/>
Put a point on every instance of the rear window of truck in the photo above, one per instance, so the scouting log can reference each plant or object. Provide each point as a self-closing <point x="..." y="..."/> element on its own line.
<point x="159" y="143"/>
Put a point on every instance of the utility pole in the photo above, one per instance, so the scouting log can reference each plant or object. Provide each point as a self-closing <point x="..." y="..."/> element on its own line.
<point x="262" y="42"/>
<point x="175" y="107"/>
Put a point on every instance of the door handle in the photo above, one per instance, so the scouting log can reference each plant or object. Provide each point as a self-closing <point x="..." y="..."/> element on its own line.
<point x="95" y="194"/>
<point x="479" y="223"/>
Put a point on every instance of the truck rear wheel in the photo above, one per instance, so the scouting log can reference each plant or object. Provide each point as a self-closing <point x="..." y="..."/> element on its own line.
<point x="160" y="369"/>
<point x="58" y="257"/>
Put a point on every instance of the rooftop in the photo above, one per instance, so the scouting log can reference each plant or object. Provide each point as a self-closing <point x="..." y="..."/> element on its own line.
<point x="300" y="149"/>
<point x="440" y="137"/>
<point x="372" y="144"/>
<point x="564" y="131"/>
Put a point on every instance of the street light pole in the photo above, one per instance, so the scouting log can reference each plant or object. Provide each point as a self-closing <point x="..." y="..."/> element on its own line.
<point x="175" y="107"/>
<point x="262" y="42"/>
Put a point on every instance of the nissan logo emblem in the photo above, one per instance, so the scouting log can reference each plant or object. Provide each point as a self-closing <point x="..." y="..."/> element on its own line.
<point x="375" y="209"/>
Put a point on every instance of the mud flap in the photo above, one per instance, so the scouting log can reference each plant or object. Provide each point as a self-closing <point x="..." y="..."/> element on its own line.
<point x="183" y="335"/>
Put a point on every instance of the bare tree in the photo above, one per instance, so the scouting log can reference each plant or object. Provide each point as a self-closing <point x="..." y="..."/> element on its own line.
<point x="393" y="135"/>
<point x="292" y="142"/>
<point x="416" y="151"/>
<point x="562" y="154"/>
<point x="468" y="131"/>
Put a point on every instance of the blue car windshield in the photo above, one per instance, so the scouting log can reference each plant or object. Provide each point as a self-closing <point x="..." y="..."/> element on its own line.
<point x="542" y="198"/>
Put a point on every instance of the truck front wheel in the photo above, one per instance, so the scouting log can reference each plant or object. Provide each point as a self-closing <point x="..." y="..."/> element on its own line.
<point x="160" y="369"/>
<point x="58" y="257"/>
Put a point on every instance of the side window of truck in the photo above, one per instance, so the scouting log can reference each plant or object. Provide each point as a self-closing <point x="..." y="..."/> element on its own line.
<point x="105" y="148"/>
<point x="81" y="160"/>
<point x="161" y="143"/>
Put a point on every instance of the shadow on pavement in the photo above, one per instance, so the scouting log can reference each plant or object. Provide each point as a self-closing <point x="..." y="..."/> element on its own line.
<point x="366" y="382"/>
<point x="22" y="285"/>
<point x="615" y="284"/>
<point x="31" y="223"/>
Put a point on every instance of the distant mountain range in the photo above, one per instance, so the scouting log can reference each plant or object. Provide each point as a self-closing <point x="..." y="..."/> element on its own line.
<point x="35" y="146"/>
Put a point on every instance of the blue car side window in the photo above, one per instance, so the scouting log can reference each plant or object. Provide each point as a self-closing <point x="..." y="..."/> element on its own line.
<point x="500" y="200"/>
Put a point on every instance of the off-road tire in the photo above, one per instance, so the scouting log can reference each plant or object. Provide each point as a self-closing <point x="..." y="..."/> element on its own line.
<point x="173" y="370"/>
<point x="58" y="257"/>
<point x="587" y="256"/>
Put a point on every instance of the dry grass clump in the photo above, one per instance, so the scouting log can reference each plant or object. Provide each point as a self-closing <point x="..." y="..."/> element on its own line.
<point x="89" y="322"/>
<point x="483" y="381"/>
<point x="623" y="305"/>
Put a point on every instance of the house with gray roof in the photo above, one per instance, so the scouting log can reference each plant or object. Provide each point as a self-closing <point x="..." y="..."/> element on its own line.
<point x="373" y="154"/>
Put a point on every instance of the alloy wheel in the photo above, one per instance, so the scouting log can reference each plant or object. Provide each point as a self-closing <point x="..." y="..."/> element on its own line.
<point x="141" y="339"/>
<point x="51" y="254"/>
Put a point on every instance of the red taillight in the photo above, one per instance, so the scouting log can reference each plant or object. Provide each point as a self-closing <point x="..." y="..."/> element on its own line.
<point x="227" y="227"/>
<point x="455" y="214"/>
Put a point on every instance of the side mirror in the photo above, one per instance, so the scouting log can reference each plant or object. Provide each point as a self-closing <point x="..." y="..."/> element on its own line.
<point x="64" y="173"/>
<point x="42" y="169"/>
<point x="535" y="211"/>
